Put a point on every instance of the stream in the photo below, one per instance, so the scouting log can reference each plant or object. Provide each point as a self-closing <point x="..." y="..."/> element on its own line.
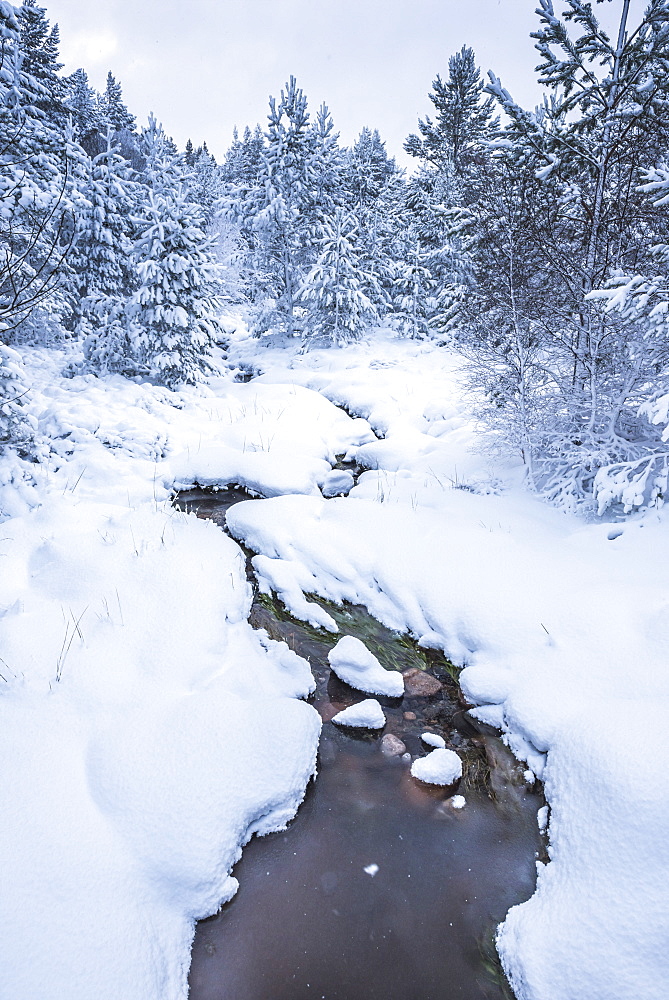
<point x="308" y="920"/>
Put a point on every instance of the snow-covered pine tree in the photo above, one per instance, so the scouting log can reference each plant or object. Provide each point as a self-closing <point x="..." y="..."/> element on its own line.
<point x="15" y="426"/>
<point x="106" y="276"/>
<point x="35" y="212"/>
<point x="605" y="119"/>
<point x="336" y="290"/>
<point x="465" y="119"/>
<point x="112" y="107"/>
<point x="174" y="312"/>
<point x="327" y="167"/>
<point x="82" y="105"/>
<point x="204" y="182"/>
<point x="40" y="47"/>
<point x="275" y="213"/>
<point x="416" y="292"/>
<point x="368" y="168"/>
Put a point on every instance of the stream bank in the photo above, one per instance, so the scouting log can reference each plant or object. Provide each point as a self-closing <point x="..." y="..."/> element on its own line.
<point x="380" y="889"/>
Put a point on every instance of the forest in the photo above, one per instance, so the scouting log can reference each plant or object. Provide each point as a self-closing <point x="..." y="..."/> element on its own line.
<point x="534" y="241"/>
<point x="262" y="408"/>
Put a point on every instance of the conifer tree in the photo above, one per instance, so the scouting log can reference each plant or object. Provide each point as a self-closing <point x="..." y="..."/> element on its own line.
<point x="275" y="211"/>
<point x="82" y="105"/>
<point x="464" y="118"/>
<point x="105" y="272"/>
<point x="572" y="171"/>
<point x="40" y="48"/>
<point x="174" y="311"/>
<point x="336" y="288"/>
<point x="368" y="168"/>
<point x="32" y="187"/>
<point x="112" y="108"/>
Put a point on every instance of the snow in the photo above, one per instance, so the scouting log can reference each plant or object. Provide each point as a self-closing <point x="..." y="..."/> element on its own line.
<point x="371" y="870"/>
<point x="354" y="664"/>
<point x="563" y="634"/>
<point x="458" y="801"/>
<point x="440" y="767"/>
<point x="366" y="714"/>
<point x="147" y="732"/>
<point x="434" y="740"/>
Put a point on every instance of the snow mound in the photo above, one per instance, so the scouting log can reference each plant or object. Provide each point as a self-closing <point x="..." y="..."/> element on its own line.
<point x="433" y="740"/>
<point x="441" y="767"/>
<point x="337" y="482"/>
<point x="354" y="664"/>
<point x="366" y="714"/>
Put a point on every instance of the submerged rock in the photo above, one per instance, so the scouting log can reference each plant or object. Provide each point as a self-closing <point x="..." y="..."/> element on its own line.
<point x="420" y="684"/>
<point x="392" y="746"/>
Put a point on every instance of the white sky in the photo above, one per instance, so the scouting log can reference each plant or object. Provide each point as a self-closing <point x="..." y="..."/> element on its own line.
<point x="203" y="66"/>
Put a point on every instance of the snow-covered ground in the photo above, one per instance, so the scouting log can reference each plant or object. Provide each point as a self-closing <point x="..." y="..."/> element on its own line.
<point x="147" y="731"/>
<point x="563" y="627"/>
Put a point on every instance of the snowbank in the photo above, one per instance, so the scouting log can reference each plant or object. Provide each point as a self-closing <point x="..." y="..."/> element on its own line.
<point x="563" y="628"/>
<point x="147" y="731"/>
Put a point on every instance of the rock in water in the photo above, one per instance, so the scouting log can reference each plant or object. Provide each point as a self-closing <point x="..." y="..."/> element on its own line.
<point x="441" y="767"/>
<point x="355" y="665"/>
<point x="392" y="746"/>
<point x="420" y="684"/>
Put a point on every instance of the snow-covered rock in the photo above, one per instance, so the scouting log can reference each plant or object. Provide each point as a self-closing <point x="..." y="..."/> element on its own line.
<point x="366" y="714"/>
<point x="337" y="483"/>
<point x="434" y="740"/>
<point x="354" y="664"/>
<point x="441" y="767"/>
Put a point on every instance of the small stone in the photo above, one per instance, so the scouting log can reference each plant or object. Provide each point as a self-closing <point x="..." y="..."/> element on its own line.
<point x="420" y="684"/>
<point x="410" y="716"/>
<point x="392" y="746"/>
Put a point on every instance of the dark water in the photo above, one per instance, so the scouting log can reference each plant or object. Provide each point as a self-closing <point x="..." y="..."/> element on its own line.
<point x="308" y="921"/>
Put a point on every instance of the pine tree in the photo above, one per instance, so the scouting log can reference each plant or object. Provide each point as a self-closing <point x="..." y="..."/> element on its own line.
<point x="173" y="317"/>
<point x="275" y="211"/>
<point x="112" y="108"/>
<point x="105" y="272"/>
<point x="369" y="167"/>
<point x="32" y="187"/>
<point x="464" y="118"/>
<point x="336" y="288"/>
<point x="82" y="105"/>
<point x="573" y="167"/>
<point x="176" y="306"/>
<point x="40" y="47"/>
<point x="204" y="183"/>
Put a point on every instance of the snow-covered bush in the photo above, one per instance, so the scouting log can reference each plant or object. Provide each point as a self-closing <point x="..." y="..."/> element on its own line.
<point x="17" y="427"/>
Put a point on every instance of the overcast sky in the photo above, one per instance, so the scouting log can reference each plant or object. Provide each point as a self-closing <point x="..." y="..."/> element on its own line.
<point x="204" y="66"/>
